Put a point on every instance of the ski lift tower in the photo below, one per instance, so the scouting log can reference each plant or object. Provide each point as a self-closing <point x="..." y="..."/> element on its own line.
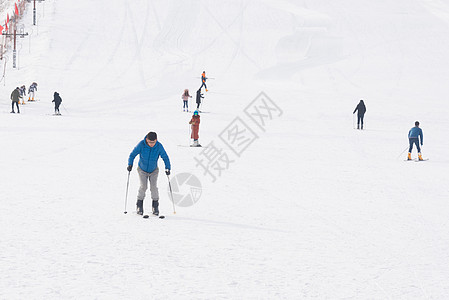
<point x="21" y="34"/>
<point x="34" y="9"/>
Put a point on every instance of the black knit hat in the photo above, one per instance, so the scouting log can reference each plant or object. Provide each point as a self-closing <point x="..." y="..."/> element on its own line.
<point x="152" y="136"/>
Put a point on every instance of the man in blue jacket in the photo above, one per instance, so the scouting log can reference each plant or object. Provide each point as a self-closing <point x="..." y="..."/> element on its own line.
<point x="414" y="136"/>
<point x="149" y="150"/>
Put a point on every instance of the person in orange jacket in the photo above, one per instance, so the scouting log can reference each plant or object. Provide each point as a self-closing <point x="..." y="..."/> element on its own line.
<point x="203" y="80"/>
<point x="195" y="123"/>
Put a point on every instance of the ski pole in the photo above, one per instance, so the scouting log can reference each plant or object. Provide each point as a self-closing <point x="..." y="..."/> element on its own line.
<point x="402" y="152"/>
<point x="353" y="121"/>
<point x="190" y="134"/>
<point x="64" y="108"/>
<point x="126" y="196"/>
<point x="171" y="193"/>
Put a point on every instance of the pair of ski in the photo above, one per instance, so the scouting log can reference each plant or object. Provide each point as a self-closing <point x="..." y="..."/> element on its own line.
<point x="153" y="216"/>
<point x="192" y="146"/>
<point x="417" y="160"/>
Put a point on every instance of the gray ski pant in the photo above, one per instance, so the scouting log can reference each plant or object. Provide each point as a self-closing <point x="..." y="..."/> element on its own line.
<point x="144" y="178"/>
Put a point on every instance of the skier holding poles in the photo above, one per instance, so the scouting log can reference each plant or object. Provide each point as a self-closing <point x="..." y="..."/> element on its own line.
<point x="149" y="150"/>
<point x="415" y="136"/>
<point x="203" y="80"/>
<point x="198" y="99"/>
<point x="195" y="123"/>
<point x="31" y="90"/>
<point x="23" y="92"/>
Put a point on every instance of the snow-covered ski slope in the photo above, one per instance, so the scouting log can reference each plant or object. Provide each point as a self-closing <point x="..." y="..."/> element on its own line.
<point x="307" y="207"/>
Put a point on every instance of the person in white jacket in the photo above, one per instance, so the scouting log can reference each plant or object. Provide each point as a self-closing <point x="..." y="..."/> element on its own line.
<point x="31" y="91"/>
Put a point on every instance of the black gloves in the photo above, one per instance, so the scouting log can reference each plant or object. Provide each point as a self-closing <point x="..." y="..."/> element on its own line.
<point x="167" y="171"/>
<point x="129" y="168"/>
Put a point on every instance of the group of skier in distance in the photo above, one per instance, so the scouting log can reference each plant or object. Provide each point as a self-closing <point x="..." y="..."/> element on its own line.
<point x="415" y="134"/>
<point x="150" y="149"/>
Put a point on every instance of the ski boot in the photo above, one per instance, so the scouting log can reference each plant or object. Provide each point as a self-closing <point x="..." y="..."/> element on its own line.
<point x="409" y="156"/>
<point x="156" y="207"/>
<point x="139" y="207"/>
<point x="420" y="156"/>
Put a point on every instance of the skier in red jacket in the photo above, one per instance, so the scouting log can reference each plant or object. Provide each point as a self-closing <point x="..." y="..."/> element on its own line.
<point x="195" y="122"/>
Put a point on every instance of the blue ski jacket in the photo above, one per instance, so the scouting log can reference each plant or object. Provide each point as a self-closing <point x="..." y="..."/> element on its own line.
<point x="149" y="156"/>
<point x="415" y="133"/>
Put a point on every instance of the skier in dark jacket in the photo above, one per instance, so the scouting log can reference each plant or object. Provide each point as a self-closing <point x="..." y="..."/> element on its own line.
<point x="15" y="98"/>
<point x="149" y="151"/>
<point x="360" y="109"/>
<point x="198" y="98"/>
<point x="414" y="136"/>
<point x="57" y="100"/>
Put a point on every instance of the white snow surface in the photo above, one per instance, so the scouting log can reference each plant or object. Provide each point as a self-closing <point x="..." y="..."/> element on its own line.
<point x="311" y="209"/>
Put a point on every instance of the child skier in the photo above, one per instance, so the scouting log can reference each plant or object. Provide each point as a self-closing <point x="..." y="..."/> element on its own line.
<point x="32" y="89"/>
<point x="414" y="136"/>
<point x="195" y="122"/>
<point x="185" y="98"/>
<point x="57" y="100"/>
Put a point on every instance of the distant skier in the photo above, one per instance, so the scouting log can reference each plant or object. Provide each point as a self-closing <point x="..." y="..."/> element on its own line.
<point x="198" y="98"/>
<point x="57" y="100"/>
<point x="149" y="150"/>
<point x="415" y="136"/>
<point x="361" y="109"/>
<point x="203" y="80"/>
<point x="31" y="91"/>
<point x="15" y="98"/>
<point x="195" y="123"/>
<point x="23" y="93"/>
<point x="185" y="98"/>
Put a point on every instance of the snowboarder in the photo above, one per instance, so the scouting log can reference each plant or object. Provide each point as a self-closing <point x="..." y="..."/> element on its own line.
<point x="23" y="92"/>
<point x="15" y="98"/>
<point x="198" y="99"/>
<point x="415" y="136"/>
<point x="203" y="80"/>
<point x="185" y="98"/>
<point x="149" y="150"/>
<point x="361" y="109"/>
<point x="195" y="122"/>
<point x="31" y="90"/>
<point x="57" y="100"/>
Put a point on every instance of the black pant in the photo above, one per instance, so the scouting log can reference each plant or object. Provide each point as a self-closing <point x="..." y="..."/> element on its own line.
<point x="416" y="142"/>
<point x="12" y="106"/>
<point x="57" y="108"/>
<point x="203" y="84"/>
<point x="360" y="119"/>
